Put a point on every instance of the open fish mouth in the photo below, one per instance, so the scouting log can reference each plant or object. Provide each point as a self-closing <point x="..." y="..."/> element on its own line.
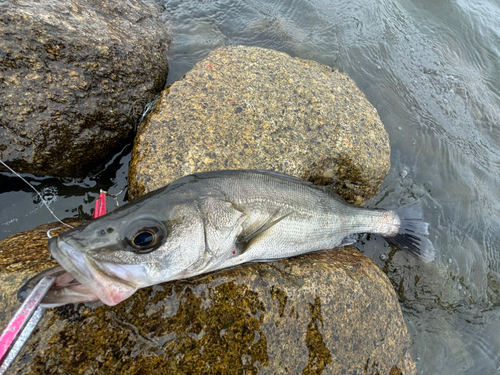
<point x="80" y="279"/>
<point x="65" y="290"/>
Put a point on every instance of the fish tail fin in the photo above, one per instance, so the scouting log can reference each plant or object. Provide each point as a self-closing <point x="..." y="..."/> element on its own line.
<point x="411" y="232"/>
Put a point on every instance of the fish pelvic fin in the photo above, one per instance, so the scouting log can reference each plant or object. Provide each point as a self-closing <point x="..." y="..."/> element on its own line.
<point x="411" y="233"/>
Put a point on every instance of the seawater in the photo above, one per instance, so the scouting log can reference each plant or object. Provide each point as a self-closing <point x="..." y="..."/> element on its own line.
<point x="432" y="70"/>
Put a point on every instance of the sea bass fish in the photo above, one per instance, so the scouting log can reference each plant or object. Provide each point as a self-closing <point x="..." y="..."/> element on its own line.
<point x="209" y="221"/>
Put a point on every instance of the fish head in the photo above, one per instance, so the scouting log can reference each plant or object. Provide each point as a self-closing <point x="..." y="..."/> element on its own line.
<point x="110" y="257"/>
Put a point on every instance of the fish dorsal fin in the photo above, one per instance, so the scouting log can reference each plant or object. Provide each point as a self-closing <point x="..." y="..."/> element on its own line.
<point x="241" y="173"/>
<point x="272" y="220"/>
<point x="330" y="190"/>
<point x="282" y="176"/>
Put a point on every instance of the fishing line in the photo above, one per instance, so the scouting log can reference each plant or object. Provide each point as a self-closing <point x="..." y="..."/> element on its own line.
<point x="36" y="191"/>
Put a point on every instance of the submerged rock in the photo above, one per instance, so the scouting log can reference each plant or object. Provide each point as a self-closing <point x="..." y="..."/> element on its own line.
<point x="249" y="107"/>
<point x="333" y="312"/>
<point x="75" y="77"/>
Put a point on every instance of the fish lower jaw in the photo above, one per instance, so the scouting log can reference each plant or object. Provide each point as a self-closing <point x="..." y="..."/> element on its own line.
<point x="114" y="298"/>
<point x="110" y="290"/>
<point x="95" y="284"/>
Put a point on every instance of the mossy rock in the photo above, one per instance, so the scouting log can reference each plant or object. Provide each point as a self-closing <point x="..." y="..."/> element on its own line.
<point x="254" y="108"/>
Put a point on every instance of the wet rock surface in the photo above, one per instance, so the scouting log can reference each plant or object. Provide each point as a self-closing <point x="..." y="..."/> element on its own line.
<point x="332" y="312"/>
<point x="249" y="107"/>
<point x="75" y="76"/>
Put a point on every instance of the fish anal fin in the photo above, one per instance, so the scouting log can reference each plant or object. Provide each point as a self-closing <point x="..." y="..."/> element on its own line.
<point x="347" y="241"/>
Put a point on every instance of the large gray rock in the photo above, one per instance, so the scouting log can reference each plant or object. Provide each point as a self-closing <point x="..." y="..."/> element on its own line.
<point x="333" y="313"/>
<point x="249" y="107"/>
<point x="74" y="78"/>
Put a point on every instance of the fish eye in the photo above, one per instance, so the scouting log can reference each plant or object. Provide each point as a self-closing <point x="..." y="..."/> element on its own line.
<point x="144" y="235"/>
<point x="144" y="238"/>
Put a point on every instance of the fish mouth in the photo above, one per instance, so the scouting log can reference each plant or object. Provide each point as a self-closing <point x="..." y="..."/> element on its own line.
<point x="80" y="279"/>
<point x="66" y="289"/>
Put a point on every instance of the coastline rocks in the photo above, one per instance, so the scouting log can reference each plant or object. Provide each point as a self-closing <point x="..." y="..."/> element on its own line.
<point x="332" y="312"/>
<point x="253" y="108"/>
<point x="75" y="77"/>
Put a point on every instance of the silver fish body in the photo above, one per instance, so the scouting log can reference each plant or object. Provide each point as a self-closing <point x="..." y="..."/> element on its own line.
<point x="213" y="220"/>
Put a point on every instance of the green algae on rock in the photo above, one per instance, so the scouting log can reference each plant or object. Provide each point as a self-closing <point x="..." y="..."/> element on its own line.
<point x="332" y="312"/>
<point x="254" y="108"/>
<point x="76" y="75"/>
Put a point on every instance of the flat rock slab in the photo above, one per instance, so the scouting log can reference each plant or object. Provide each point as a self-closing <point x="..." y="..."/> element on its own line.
<point x="333" y="312"/>
<point x="75" y="76"/>
<point x="254" y="108"/>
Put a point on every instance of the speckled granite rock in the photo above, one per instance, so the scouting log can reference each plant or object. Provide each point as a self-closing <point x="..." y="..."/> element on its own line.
<point x="249" y="107"/>
<point x="333" y="312"/>
<point x="75" y="76"/>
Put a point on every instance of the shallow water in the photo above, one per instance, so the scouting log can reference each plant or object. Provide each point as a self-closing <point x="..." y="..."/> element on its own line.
<point x="431" y="70"/>
<point x="21" y="208"/>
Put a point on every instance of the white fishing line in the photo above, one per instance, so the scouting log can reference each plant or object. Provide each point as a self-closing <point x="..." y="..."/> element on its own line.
<point x="36" y="191"/>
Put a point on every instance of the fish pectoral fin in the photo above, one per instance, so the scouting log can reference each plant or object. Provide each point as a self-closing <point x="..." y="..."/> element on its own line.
<point x="268" y="223"/>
